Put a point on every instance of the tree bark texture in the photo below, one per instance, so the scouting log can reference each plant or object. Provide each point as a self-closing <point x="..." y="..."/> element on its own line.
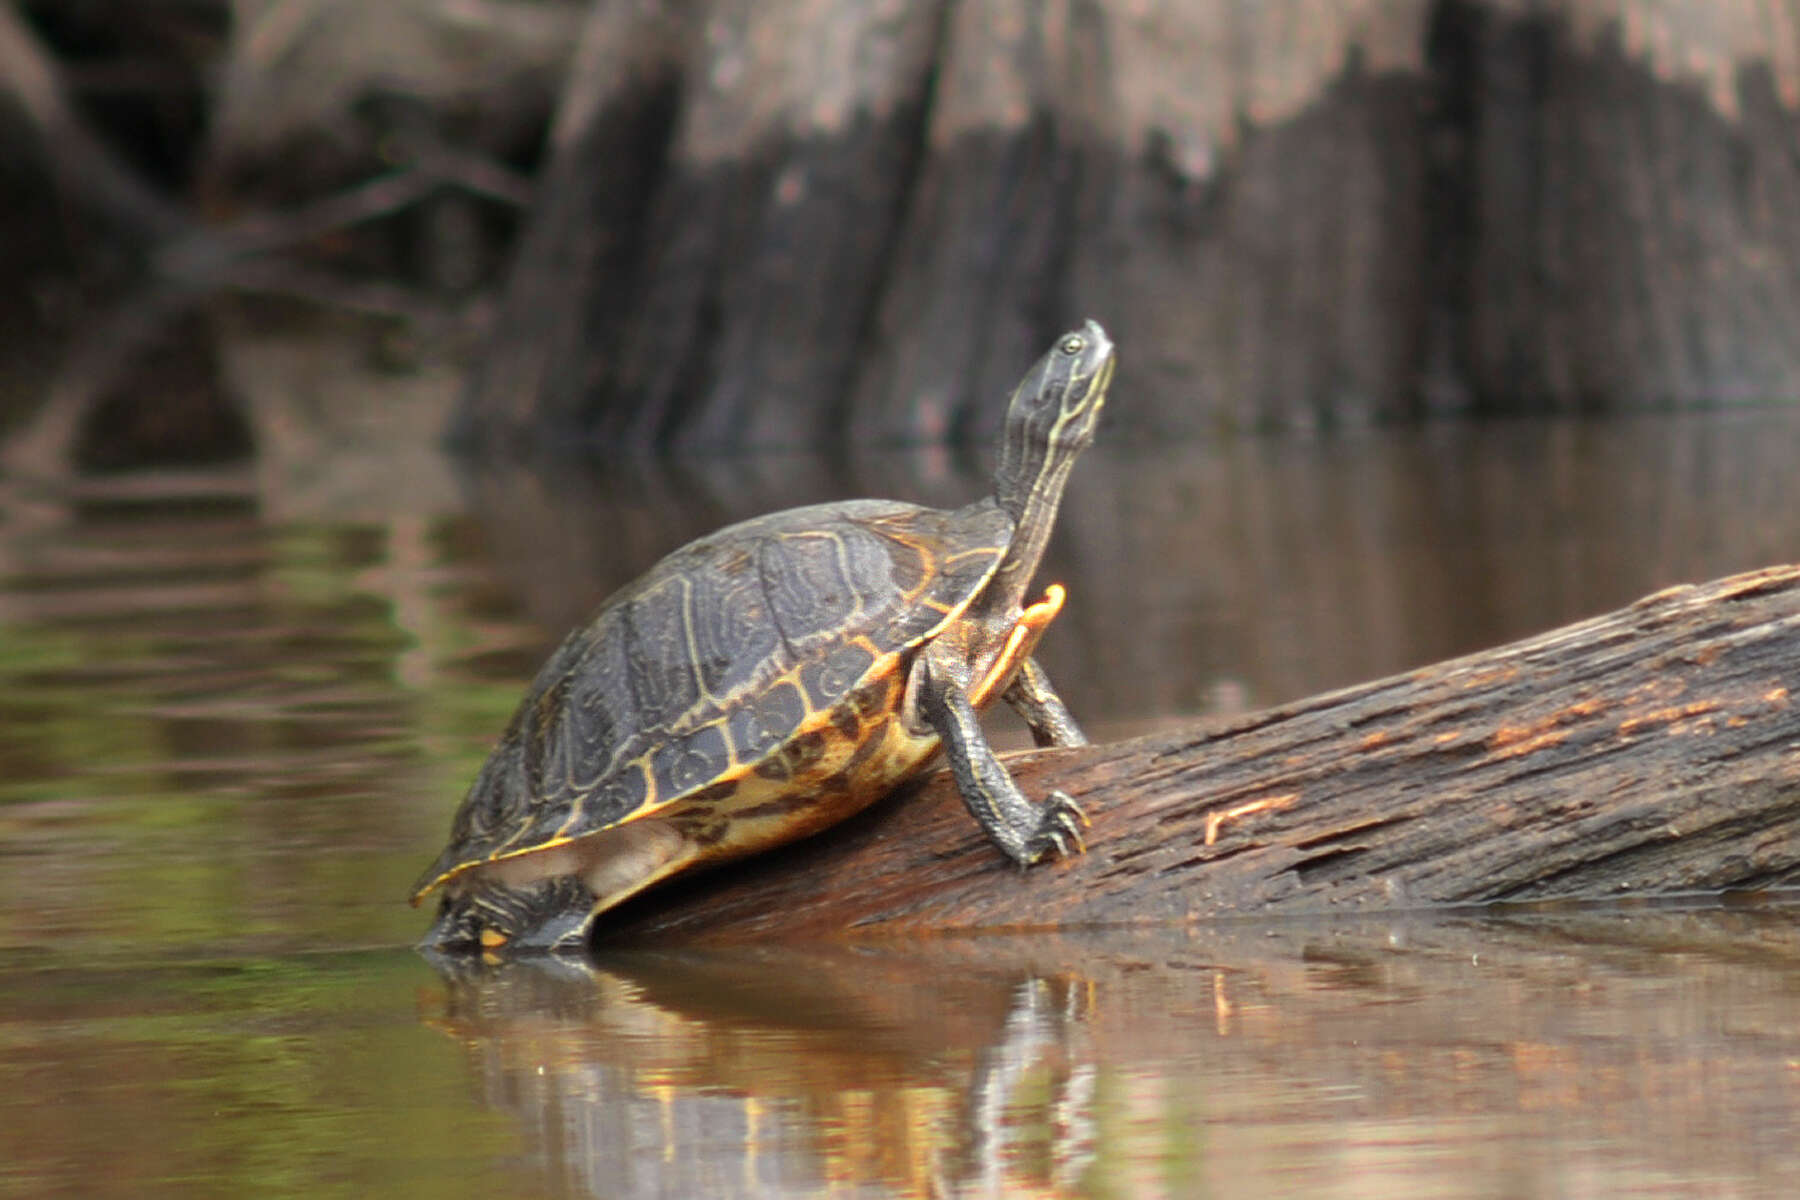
<point x="1650" y="751"/>
<point x="802" y="222"/>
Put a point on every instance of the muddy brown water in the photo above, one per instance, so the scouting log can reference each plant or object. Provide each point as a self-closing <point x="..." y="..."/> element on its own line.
<point x="237" y="710"/>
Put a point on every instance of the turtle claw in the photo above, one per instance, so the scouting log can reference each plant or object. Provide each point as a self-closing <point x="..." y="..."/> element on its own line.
<point x="1059" y="825"/>
<point x="1063" y="802"/>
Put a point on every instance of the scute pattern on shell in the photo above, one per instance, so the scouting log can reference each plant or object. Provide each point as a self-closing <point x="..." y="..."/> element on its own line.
<point x="711" y="662"/>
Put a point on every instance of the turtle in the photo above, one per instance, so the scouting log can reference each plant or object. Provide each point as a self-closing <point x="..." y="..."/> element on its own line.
<point x="772" y="678"/>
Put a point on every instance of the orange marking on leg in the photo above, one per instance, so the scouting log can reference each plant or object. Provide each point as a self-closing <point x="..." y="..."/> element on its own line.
<point x="1020" y="642"/>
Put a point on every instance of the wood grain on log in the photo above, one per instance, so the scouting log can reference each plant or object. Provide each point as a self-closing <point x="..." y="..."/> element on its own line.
<point x="1652" y="750"/>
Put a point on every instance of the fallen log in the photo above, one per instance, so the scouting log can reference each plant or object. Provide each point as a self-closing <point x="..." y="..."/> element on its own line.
<point x="1654" y="750"/>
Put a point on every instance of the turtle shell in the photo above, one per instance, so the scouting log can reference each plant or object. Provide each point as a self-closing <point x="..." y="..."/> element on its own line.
<point x="717" y="663"/>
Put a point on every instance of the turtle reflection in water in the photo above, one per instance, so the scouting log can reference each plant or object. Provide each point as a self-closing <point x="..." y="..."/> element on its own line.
<point x="769" y="680"/>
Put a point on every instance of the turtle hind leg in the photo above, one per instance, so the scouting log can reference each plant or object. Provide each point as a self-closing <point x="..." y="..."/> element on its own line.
<point x="564" y="933"/>
<point x="548" y="916"/>
<point x="457" y="928"/>
<point x="1025" y="832"/>
<point x="559" y="915"/>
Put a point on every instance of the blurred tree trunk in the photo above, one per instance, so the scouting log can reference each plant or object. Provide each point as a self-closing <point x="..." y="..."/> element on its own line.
<point x="785" y="222"/>
<point x="1630" y="186"/>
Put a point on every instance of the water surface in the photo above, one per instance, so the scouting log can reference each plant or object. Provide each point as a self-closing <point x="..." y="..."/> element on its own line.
<point x="237" y="710"/>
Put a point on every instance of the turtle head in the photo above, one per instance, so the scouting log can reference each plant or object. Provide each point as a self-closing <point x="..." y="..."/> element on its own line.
<point x="1051" y="420"/>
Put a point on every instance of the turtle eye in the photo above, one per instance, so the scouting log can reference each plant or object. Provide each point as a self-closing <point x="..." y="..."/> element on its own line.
<point x="1073" y="344"/>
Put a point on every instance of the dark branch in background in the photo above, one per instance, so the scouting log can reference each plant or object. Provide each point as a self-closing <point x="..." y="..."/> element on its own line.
<point x="216" y="257"/>
<point x="186" y="261"/>
<point x="92" y="176"/>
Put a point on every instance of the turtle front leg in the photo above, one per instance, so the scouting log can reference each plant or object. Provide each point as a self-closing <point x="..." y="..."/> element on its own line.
<point x="1033" y="698"/>
<point x="1026" y="833"/>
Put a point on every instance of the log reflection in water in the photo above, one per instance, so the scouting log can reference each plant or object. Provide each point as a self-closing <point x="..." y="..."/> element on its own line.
<point x="1535" y="1054"/>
